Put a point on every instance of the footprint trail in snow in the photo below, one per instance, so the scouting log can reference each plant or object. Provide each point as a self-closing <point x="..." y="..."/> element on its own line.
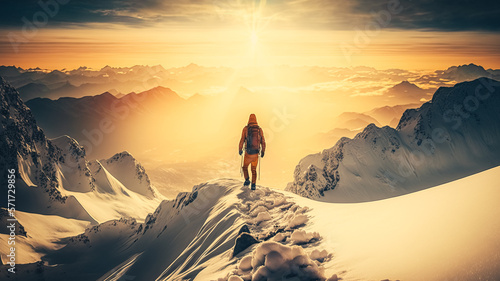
<point x="273" y="246"/>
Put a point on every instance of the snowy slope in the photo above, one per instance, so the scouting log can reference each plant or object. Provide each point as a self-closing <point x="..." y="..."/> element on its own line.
<point x="454" y="135"/>
<point x="111" y="199"/>
<point x="449" y="232"/>
<point x="42" y="233"/>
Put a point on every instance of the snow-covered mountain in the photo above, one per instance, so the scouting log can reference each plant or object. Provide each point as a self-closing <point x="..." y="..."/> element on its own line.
<point x="56" y="178"/>
<point x="125" y="168"/>
<point x="225" y="232"/>
<point x="455" y="134"/>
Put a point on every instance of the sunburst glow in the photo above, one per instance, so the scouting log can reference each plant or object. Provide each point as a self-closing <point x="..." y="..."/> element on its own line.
<point x="254" y="39"/>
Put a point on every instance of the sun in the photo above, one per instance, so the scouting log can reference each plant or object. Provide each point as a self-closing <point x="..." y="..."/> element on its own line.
<point x="254" y="38"/>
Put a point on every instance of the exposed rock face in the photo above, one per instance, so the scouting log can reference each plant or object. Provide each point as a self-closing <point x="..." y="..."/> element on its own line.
<point x="22" y="141"/>
<point x="243" y="241"/>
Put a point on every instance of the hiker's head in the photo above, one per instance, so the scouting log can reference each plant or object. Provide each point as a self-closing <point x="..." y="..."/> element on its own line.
<point x="252" y="119"/>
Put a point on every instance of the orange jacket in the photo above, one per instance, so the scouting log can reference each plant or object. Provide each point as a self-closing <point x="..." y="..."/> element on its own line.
<point x="252" y="121"/>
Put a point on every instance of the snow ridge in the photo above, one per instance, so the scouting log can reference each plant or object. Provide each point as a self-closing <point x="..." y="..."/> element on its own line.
<point x="193" y="237"/>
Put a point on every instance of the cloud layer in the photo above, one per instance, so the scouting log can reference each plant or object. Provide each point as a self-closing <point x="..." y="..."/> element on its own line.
<point x="443" y="15"/>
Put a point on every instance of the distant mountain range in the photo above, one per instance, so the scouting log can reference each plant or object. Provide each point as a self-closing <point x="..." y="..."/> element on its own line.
<point x="466" y="72"/>
<point x="390" y="115"/>
<point x="85" y="118"/>
<point x="349" y="124"/>
<point x="53" y="84"/>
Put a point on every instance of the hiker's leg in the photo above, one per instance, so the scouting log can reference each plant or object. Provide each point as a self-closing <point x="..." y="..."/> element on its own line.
<point x="246" y="162"/>
<point x="245" y="171"/>
<point x="254" y="170"/>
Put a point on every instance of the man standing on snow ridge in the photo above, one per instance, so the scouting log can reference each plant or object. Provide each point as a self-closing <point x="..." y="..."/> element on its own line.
<point x="253" y="137"/>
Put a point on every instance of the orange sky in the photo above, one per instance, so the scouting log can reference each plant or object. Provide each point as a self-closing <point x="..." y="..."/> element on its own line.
<point x="248" y="33"/>
<point x="57" y="49"/>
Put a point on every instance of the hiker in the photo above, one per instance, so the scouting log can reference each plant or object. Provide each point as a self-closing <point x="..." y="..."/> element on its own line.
<point x="253" y="137"/>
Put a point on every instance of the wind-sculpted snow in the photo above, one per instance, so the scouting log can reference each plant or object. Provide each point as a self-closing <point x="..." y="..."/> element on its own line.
<point x="193" y="238"/>
<point x="276" y="261"/>
<point x="454" y="135"/>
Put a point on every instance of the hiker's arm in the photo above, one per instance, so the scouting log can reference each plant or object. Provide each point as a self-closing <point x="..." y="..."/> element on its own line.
<point x="262" y="141"/>
<point x="243" y="137"/>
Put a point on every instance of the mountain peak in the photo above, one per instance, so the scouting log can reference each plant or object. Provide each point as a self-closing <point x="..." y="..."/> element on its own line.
<point x="121" y="155"/>
<point x="159" y="92"/>
<point x="405" y="82"/>
<point x="406" y="85"/>
<point x="70" y="144"/>
<point x="406" y="92"/>
<point x="106" y="67"/>
<point x="161" y="88"/>
<point x="131" y="173"/>
<point x="10" y="71"/>
<point x="468" y="67"/>
<point x="57" y="72"/>
<point x="465" y="72"/>
<point x="106" y="95"/>
<point x="192" y="65"/>
<point x="447" y="94"/>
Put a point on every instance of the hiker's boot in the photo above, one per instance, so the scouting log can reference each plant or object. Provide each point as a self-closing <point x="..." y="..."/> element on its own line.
<point x="247" y="182"/>
<point x="253" y="186"/>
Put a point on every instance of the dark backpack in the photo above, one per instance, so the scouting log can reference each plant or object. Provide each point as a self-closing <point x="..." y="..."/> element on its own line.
<point x="253" y="139"/>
